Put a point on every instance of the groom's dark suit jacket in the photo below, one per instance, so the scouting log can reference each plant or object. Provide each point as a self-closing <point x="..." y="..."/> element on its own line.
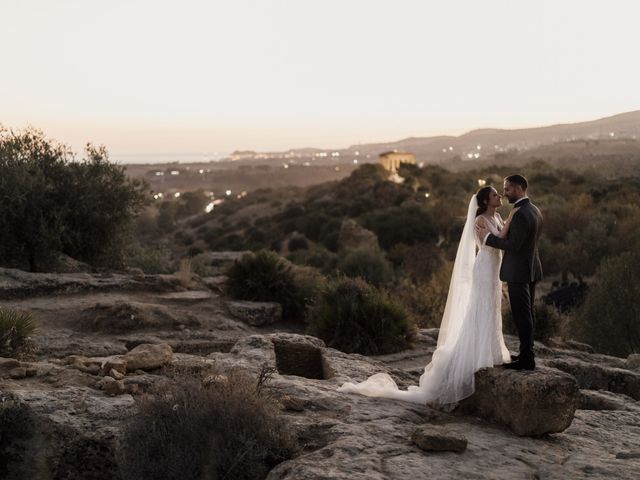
<point x="521" y="262"/>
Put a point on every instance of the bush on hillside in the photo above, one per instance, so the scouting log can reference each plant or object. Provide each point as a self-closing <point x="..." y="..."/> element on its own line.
<point x="408" y="225"/>
<point x="425" y="299"/>
<point x="52" y="204"/>
<point x="265" y="277"/>
<point x="549" y="322"/>
<point x="227" y="427"/>
<point x="355" y="317"/>
<point x="368" y="264"/>
<point x="609" y="319"/>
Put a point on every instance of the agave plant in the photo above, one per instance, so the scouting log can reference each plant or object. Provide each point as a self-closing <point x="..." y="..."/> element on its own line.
<point x="16" y="329"/>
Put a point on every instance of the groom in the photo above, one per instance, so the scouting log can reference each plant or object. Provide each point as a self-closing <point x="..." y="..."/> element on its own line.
<point x="521" y="267"/>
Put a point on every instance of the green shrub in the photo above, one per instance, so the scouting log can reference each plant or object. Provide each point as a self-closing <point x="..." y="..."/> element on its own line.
<point x="355" y="317"/>
<point x="549" y="322"/>
<point x="51" y="203"/>
<point x="609" y="319"/>
<point x="150" y="258"/>
<point x="265" y="277"/>
<point x="425" y="299"/>
<point x="16" y="329"/>
<point x="408" y="225"/>
<point x="298" y="243"/>
<point x="368" y="264"/>
<point x="196" y="430"/>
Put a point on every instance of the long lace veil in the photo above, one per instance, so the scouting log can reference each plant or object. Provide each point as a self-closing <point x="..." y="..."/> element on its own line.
<point x="460" y="285"/>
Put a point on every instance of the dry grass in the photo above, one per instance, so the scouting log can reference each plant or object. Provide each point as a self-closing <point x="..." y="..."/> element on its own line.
<point x="185" y="272"/>
<point x="217" y="426"/>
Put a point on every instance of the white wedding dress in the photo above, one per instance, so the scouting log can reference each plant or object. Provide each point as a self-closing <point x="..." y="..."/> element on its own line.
<point x="470" y="335"/>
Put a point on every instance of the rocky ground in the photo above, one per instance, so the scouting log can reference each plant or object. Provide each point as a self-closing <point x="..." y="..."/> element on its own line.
<point x="104" y="340"/>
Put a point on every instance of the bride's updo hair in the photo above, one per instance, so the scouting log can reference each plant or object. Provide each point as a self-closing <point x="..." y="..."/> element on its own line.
<point x="482" y="196"/>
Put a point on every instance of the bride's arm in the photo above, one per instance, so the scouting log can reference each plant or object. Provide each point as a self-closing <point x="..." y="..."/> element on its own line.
<point x="505" y="228"/>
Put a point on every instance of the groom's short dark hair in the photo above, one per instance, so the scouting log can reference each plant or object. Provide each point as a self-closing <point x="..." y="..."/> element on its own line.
<point x="518" y="180"/>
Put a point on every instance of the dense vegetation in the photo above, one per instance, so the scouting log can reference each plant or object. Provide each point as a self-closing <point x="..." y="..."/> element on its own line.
<point x="588" y="218"/>
<point x="53" y="204"/>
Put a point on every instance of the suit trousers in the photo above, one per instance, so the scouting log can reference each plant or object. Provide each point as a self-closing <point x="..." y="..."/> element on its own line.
<point x="521" y="298"/>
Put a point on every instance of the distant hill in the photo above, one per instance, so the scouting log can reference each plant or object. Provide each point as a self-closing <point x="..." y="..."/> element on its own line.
<point x="443" y="148"/>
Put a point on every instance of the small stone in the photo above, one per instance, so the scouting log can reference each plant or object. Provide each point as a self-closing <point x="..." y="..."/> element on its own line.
<point x="292" y="404"/>
<point x="132" y="388"/>
<point x="111" y="386"/>
<point x="148" y="356"/>
<point x="18" y="373"/>
<point x="432" y="438"/>
<point x="113" y="373"/>
<point x="31" y="371"/>
<point x="92" y="369"/>
<point x="114" y="363"/>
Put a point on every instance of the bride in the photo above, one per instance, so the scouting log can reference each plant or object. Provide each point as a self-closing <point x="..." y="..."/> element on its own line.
<point x="470" y="335"/>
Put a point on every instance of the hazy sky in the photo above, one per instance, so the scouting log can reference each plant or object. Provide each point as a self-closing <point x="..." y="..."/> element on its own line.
<point x="193" y="76"/>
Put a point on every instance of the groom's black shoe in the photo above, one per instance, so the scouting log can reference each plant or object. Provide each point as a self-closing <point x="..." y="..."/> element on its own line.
<point x="521" y="365"/>
<point x="514" y="358"/>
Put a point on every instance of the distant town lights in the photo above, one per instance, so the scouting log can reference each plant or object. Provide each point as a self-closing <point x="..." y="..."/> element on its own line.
<point x="426" y="195"/>
<point x="177" y="194"/>
<point x="228" y="192"/>
<point x="482" y="182"/>
<point x="209" y="207"/>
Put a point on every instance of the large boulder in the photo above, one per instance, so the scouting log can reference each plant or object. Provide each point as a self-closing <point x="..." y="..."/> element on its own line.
<point x="530" y="403"/>
<point x="64" y="433"/>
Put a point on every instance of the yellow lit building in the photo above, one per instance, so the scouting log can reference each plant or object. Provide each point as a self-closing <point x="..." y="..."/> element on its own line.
<point x="392" y="160"/>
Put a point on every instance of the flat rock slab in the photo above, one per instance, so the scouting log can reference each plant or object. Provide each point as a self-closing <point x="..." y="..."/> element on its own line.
<point x="255" y="313"/>
<point x="188" y="296"/>
<point x="433" y="438"/>
<point x="599" y="377"/>
<point x="530" y="403"/>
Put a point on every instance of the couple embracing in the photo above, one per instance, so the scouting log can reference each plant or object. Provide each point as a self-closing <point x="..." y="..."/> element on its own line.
<point x="470" y="338"/>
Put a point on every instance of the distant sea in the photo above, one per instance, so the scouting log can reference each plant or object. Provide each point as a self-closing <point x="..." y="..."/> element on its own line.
<point x="130" y="158"/>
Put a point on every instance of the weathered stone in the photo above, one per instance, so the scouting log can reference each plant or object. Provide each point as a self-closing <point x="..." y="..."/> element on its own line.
<point x="116" y="374"/>
<point x="600" y="400"/>
<point x="131" y="316"/>
<point x="216" y="283"/>
<point x="111" y="386"/>
<point x="598" y="377"/>
<point x="633" y="361"/>
<point x="148" y="357"/>
<point x="293" y="404"/>
<point x="530" y="403"/>
<point x="255" y="313"/>
<point x="64" y="433"/>
<point x="628" y="455"/>
<point x="432" y="438"/>
<point x="116" y="363"/>
<point x="18" y="373"/>
<point x="7" y="364"/>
